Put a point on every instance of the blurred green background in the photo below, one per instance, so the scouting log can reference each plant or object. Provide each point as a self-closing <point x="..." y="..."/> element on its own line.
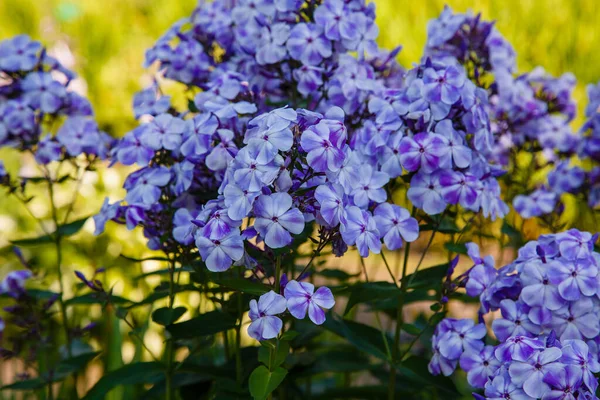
<point x="104" y="42"/>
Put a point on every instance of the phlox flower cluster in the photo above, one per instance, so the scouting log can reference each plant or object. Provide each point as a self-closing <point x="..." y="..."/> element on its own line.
<point x="35" y="97"/>
<point x="529" y="113"/>
<point x="548" y="332"/>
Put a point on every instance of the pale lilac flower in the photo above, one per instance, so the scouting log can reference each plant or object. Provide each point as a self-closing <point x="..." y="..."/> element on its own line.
<point x="271" y="48"/>
<point x="425" y="192"/>
<point x="578" y="320"/>
<point x="501" y="387"/>
<point x="530" y="373"/>
<point x="537" y="290"/>
<point x="147" y="187"/>
<point x="574" y="279"/>
<point x="307" y="44"/>
<point x="370" y="187"/>
<point x="577" y="353"/>
<point x="301" y="297"/>
<point x="198" y="134"/>
<point x="518" y="348"/>
<point x="276" y="219"/>
<point x="514" y="322"/>
<point x="479" y="365"/>
<point x="463" y="335"/>
<point x="331" y="199"/>
<point x="459" y="188"/>
<point x="183" y="227"/>
<point x="397" y="224"/>
<point x="219" y="254"/>
<point x="106" y="213"/>
<point x="443" y="85"/>
<point x="164" y="131"/>
<point x="13" y="283"/>
<point x="424" y="151"/>
<point x="537" y="203"/>
<point x="359" y="228"/>
<point x="43" y="92"/>
<point x="324" y="146"/>
<point x="265" y="325"/>
<point x="238" y="201"/>
<point x="563" y="383"/>
<point x="461" y="154"/>
<point x="575" y="245"/>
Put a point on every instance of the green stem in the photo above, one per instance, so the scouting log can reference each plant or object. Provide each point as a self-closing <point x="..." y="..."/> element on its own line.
<point x="170" y="394"/>
<point x="399" y="323"/>
<point x="238" y="339"/>
<point x="277" y="273"/>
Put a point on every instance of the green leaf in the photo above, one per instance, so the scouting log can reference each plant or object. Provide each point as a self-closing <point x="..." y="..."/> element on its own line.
<point x="458" y="248"/>
<point x="262" y="381"/>
<point x="283" y="349"/>
<point x="243" y="285"/>
<point x="516" y="238"/>
<point x="133" y="259"/>
<point x="363" y="337"/>
<point x="96" y="298"/>
<point x="336" y="274"/>
<point x="410" y="328"/>
<point x="130" y="374"/>
<point x="75" y="363"/>
<point x="28" y="384"/>
<point x="63" y="230"/>
<point x="370" y="291"/>
<point x="205" y="324"/>
<point x="429" y="278"/>
<point x="289" y="335"/>
<point x="166" y="316"/>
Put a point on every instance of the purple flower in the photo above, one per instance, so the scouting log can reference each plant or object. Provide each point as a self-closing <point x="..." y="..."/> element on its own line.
<point x="565" y="179"/>
<point x="514" y="322"/>
<point x="271" y="49"/>
<point x="530" y="374"/>
<point x="361" y="36"/>
<point x="309" y="79"/>
<point x="463" y="335"/>
<point x="331" y="199"/>
<point x="370" y="187"/>
<point x="307" y="44"/>
<point x="459" y="188"/>
<point x="13" y="283"/>
<point x="301" y="297"/>
<point x="563" y="383"/>
<point x="440" y="364"/>
<point x="223" y="152"/>
<point x="577" y="353"/>
<point x="334" y="17"/>
<point x="198" y="135"/>
<point x="43" y="92"/>
<point x="578" y="320"/>
<point x="149" y="102"/>
<point x="575" y="245"/>
<point x="183" y="227"/>
<point x="538" y="291"/>
<point x="425" y="151"/>
<point x="78" y="134"/>
<point x="19" y="53"/>
<point x="425" y="192"/>
<point x="359" y="228"/>
<point x="275" y="219"/>
<point x="479" y="365"/>
<point x="131" y="150"/>
<point x="574" y="279"/>
<point x="265" y="325"/>
<point x="502" y="387"/>
<point x="146" y="187"/>
<point x="219" y="224"/>
<point x="461" y="154"/>
<point x="481" y="277"/>
<point x="249" y="173"/>
<point x="238" y="201"/>
<point x="48" y="150"/>
<point x="273" y="133"/>
<point x="518" y="348"/>
<point x="443" y="85"/>
<point x="537" y="203"/>
<point x="397" y="223"/>
<point x="107" y="212"/>
<point x="164" y="131"/>
<point x="219" y="254"/>
<point x="324" y="147"/>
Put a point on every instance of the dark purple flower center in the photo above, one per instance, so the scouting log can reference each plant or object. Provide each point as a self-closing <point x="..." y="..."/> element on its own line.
<point x="486" y="363"/>
<point x="421" y="150"/>
<point x="545" y="282"/>
<point x="217" y="242"/>
<point x="538" y="366"/>
<point x="274" y="219"/>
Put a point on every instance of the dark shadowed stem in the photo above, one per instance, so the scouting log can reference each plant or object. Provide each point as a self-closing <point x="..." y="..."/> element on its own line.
<point x="387" y="266"/>
<point x="169" y="351"/>
<point x="238" y="338"/>
<point x="399" y="323"/>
